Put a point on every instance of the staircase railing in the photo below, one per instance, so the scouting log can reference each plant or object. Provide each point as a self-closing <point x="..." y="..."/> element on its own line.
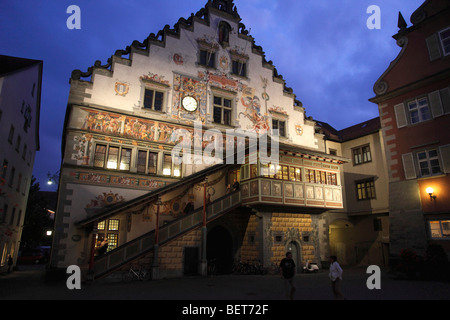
<point x="145" y="243"/>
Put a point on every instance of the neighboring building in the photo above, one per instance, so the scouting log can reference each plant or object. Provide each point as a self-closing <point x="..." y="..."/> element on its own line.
<point x="359" y="233"/>
<point x="119" y="179"/>
<point x="413" y="98"/>
<point x="20" y="99"/>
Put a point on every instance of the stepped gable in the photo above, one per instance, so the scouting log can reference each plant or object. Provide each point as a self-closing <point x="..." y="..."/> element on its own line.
<point x="225" y="8"/>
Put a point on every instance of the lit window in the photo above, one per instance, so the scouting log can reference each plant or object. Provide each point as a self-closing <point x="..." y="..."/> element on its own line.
<point x="440" y="229"/>
<point x="170" y="168"/>
<point x="116" y="157"/>
<point x="365" y="189"/>
<point x="113" y="225"/>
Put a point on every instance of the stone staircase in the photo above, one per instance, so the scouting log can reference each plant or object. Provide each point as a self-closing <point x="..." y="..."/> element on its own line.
<point x="137" y="248"/>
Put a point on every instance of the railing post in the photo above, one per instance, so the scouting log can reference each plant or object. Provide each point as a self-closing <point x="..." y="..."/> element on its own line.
<point x="90" y="274"/>
<point x="204" y="261"/>
<point x="155" y="265"/>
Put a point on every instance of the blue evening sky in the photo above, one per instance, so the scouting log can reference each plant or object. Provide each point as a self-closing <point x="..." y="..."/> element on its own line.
<point x="322" y="48"/>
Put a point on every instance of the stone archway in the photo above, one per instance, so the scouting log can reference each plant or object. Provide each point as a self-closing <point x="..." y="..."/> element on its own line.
<point x="219" y="247"/>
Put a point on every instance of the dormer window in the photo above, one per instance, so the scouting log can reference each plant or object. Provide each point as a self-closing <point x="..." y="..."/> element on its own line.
<point x="207" y="58"/>
<point x="239" y="68"/>
<point x="239" y="63"/>
<point x="207" y="53"/>
<point x="224" y="33"/>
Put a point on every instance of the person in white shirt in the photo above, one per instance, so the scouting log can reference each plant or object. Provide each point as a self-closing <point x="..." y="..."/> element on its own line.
<point x="336" y="278"/>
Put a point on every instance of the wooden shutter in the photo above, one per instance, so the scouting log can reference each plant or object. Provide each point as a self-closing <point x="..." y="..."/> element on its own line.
<point x="445" y="99"/>
<point x="433" y="45"/>
<point x="445" y="157"/>
<point x="435" y="104"/>
<point x="408" y="166"/>
<point x="400" y="115"/>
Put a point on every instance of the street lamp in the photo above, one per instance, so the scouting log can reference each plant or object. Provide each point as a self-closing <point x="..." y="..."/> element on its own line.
<point x="52" y="178"/>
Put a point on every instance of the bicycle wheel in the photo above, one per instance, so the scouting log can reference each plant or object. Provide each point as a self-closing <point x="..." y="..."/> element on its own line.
<point x="127" y="277"/>
<point x="144" y="275"/>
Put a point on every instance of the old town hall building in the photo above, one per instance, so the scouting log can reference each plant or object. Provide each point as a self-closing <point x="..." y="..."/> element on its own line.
<point x="202" y="85"/>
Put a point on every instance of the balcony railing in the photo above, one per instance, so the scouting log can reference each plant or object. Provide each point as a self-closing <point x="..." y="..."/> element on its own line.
<point x="293" y="193"/>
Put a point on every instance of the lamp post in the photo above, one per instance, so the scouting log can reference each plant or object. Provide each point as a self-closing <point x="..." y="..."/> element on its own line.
<point x="204" y="261"/>
<point x="155" y="265"/>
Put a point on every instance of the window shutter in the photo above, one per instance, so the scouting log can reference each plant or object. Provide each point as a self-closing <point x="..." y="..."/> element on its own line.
<point x="408" y="166"/>
<point x="445" y="98"/>
<point x="433" y="45"/>
<point x="400" y="115"/>
<point x="445" y="157"/>
<point x="435" y="104"/>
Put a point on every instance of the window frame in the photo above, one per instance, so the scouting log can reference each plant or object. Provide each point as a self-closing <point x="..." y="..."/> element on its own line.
<point x="428" y="160"/>
<point x="147" y="162"/>
<point x="441" y="235"/>
<point x="442" y="40"/>
<point x="283" y="133"/>
<point x="239" y="68"/>
<point x="364" y="154"/>
<point x="172" y="167"/>
<point x="418" y="108"/>
<point x="107" y="155"/>
<point x="154" y="91"/>
<point x="368" y="187"/>
<point x="11" y="134"/>
<point x="222" y="108"/>
<point x="207" y="58"/>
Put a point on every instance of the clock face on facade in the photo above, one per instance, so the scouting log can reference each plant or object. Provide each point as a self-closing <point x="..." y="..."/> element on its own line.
<point x="190" y="103"/>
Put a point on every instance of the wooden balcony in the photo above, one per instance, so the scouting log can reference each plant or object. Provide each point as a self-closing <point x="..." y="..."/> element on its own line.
<point x="290" y="193"/>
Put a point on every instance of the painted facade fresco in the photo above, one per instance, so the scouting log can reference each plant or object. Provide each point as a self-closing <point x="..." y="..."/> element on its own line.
<point x="117" y="180"/>
<point x="186" y="86"/>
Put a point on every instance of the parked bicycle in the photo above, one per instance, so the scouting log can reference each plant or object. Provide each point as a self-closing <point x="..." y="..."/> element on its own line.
<point x="140" y="273"/>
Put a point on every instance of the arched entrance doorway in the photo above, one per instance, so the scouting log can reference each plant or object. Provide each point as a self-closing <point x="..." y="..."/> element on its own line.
<point x="219" y="248"/>
<point x="293" y="247"/>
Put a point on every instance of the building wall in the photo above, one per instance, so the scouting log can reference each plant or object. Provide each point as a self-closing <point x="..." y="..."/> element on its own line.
<point x="19" y="110"/>
<point x="419" y="73"/>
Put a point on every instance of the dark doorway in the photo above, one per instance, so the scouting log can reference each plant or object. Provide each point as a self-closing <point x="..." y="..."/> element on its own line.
<point x="191" y="259"/>
<point x="219" y="249"/>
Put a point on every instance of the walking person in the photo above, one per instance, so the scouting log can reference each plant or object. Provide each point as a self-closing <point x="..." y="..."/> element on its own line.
<point x="287" y="272"/>
<point x="10" y="263"/>
<point x="336" y="278"/>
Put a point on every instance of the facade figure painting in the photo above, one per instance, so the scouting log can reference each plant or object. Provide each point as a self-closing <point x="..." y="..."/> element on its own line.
<point x="129" y="127"/>
<point x="252" y="111"/>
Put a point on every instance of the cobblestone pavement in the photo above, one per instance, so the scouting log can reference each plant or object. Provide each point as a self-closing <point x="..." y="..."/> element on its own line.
<point x="28" y="283"/>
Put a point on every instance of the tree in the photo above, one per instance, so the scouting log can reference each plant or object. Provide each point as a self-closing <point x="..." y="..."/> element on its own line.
<point x="37" y="219"/>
